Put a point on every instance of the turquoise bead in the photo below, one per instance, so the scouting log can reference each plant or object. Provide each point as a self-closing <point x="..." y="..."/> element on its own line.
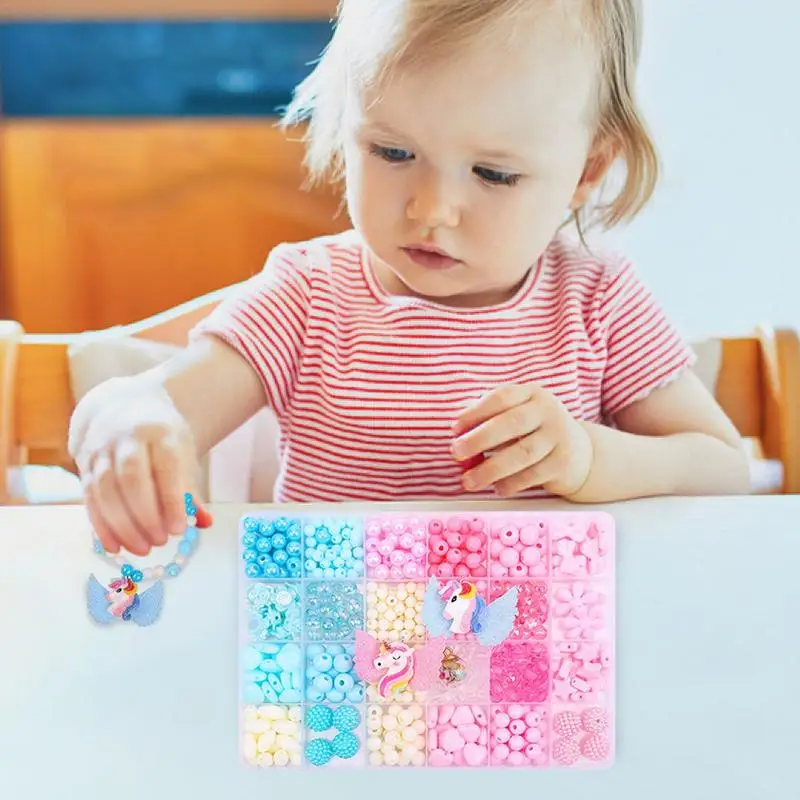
<point x="275" y="683"/>
<point x="314" y="695"/>
<point x="290" y="657"/>
<point x="314" y="650"/>
<point x="191" y="536"/>
<point x="324" y="683"/>
<point x="255" y="676"/>
<point x="286" y="680"/>
<point x="343" y="683"/>
<point x="185" y="548"/>
<point x="319" y="718"/>
<point x="270" y="665"/>
<point x="346" y="718"/>
<point x="335" y="696"/>
<point x="323" y="662"/>
<point x="269" y="649"/>
<point x="270" y="695"/>
<point x="356" y="694"/>
<point x="173" y="570"/>
<point x="291" y="696"/>
<point x="342" y="663"/>
<point x="319" y="752"/>
<point x="345" y="745"/>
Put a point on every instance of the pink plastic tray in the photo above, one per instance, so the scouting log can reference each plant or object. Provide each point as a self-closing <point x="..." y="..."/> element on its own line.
<point x="311" y="586"/>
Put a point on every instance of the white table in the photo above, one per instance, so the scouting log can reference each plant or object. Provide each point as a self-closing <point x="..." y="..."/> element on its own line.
<point x="708" y="671"/>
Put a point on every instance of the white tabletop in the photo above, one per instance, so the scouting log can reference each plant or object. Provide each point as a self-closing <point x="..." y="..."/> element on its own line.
<point x="708" y="670"/>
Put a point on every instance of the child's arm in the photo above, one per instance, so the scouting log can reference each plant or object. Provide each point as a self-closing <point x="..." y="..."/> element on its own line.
<point x="677" y="441"/>
<point x="137" y="441"/>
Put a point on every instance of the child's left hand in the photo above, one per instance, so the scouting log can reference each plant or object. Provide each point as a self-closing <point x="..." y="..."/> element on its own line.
<point x="533" y="440"/>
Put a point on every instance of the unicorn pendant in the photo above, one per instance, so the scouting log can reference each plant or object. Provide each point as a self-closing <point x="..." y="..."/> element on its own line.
<point x="395" y="667"/>
<point x="122" y="601"/>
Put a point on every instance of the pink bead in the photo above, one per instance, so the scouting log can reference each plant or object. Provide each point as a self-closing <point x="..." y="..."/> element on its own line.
<point x="531" y="556"/>
<point x="509" y="557"/>
<point x="454" y="556"/>
<point x="529" y="535"/>
<point x="438" y="545"/>
<point x="533" y="735"/>
<point x="407" y="541"/>
<point x="517" y="743"/>
<point x="499" y="571"/>
<point x="533" y="751"/>
<point x="533" y="719"/>
<point x="474" y="560"/>
<point x="476" y="524"/>
<point x="418" y="550"/>
<point x="518" y="571"/>
<point x="502" y="735"/>
<point x="479" y="572"/>
<point x="412" y="570"/>
<point x="540" y="571"/>
<point x="454" y="539"/>
<point x="496" y="548"/>
<point x="372" y="545"/>
<point x="433" y="559"/>
<point x="386" y="548"/>
<point x="419" y="534"/>
<point x="474" y="544"/>
<point x="462" y="715"/>
<point x="501" y="719"/>
<point x="444" y="570"/>
<point x="475" y="755"/>
<point x="386" y="526"/>
<point x="381" y="572"/>
<point x="373" y="559"/>
<point x="500" y="752"/>
<point x="454" y="524"/>
<point x="465" y="528"/>
<point x="470" y="732"/>
<point x="373" y="530"/>
<point x="462" y="571"/>
<point x="439" y="758"/>
<point x="396" y="573"/>
<point x="398" y="557"/>
<point x="435" y="527"/>
<point x="398" y="528"/>
<point x="509" y="535"/>
<point x="516" y="759"/>
<point x="517" y="727"/>
<point x="451" y="740"/>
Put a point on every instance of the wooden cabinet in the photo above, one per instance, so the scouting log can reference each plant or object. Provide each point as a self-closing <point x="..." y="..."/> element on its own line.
<point x="106" y="223"/>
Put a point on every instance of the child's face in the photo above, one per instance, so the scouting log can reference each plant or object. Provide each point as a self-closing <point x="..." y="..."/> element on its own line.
<point x="480" y="155"/>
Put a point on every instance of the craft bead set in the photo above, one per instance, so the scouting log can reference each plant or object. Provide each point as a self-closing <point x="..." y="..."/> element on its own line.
<point x="426" y="640"/>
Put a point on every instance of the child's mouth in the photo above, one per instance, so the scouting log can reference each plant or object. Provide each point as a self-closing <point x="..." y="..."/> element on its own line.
<point x="431" y="258"/>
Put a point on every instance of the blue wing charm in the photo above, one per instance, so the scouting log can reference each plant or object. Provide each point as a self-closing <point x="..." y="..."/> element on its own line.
<point x="146" y="611"/>
<point x="432" y="608"/>
<point x="96" y="602"/>
<point x="494" y="622"/>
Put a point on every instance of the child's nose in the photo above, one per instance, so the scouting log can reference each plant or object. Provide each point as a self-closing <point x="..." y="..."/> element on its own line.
<point x="434" y="203"/>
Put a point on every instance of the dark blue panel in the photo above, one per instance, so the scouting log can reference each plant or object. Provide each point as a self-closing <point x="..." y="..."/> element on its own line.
<point x="155" y="69"/>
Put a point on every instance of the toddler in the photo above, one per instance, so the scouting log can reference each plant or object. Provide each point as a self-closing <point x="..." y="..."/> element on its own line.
<point x="456" y="342"/>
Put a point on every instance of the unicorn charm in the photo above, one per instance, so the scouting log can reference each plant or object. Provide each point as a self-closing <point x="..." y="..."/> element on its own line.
<point x="122" y="600"/>
<point x="457" y="608"/>
<point x="397" y="666"/>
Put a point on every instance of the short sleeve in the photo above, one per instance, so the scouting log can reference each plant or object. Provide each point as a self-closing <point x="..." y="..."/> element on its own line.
<point x="265" y="321"/>
<point x="644" y="351"/>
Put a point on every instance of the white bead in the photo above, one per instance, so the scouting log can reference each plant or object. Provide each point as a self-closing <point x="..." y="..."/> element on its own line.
<point x="419" y="727"/>
<point x="374" y="744"/>
<point x="409" y="625"/>
<point x="409" y="751"/>
<point x="372" y="588"/>
<point x="272" y="712"/>
<point x="390" y="616"/>
<point x="281" y="758"/>
<point x="382" y="591"/>
<point x="398" y="625"/>
<point x="180" y="560"/>
<point x="285" y="726"/>
<point x="410" y="735"/>
<point x="249" y="746"/>
<point x="266" y="760"/>
<point x="296" y="757"/>
<point x="392" y="738"/>
<point x="382" y="608"/>
<point x="376" y="759"/>
<point x="419" y="759"/>
<point x="389" y="722"/>
<point x="266" y="741"/>
<point x="372" y="614"/>
<point x="391" y="759"/>
<point x="295" y="713"/>
<point x="158" y="573"/>
<point x="250" y="713"/>
<point x="405" y="717"/>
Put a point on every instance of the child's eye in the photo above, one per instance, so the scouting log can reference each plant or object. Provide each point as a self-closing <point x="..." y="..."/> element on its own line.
<point x="496" y="177"/>
<point x="394" y="155"/>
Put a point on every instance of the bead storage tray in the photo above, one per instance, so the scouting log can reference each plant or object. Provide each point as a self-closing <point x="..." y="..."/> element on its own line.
<point x="334" y="607"/>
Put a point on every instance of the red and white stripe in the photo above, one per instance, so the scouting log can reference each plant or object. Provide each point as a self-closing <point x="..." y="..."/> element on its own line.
<point x="366" y="387"/>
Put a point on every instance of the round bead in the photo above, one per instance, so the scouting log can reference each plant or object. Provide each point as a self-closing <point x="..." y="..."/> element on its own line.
<point x="345" y="745"/>
<point x="319" y="752"/>
<point x="319" y="718"/>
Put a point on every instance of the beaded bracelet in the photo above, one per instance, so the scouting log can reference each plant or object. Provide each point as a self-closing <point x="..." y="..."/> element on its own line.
<point x="122" y="600"/>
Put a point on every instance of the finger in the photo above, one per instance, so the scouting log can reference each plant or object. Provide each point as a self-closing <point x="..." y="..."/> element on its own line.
<point x="506" y="427"/>
<point x="169" y="473"/>
<point x="510" y="460"/>
<point x="490" y="405"/>
<point x="135" y="481"/>
<point x="532" y="477"/>
<point x="113" y="508"/>
<point x="94" y="511"/>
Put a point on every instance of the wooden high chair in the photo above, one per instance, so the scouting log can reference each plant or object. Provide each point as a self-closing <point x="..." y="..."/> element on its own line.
<point x="758" y="386"/>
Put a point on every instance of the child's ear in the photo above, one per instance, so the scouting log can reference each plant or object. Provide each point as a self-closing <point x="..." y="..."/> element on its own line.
<point x="603" y="154"/>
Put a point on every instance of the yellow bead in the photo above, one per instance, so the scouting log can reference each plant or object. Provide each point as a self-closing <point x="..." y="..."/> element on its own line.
<point x="266" y="760"/>
<point x="376" y="759"/>
<point x="250" y="747"/>
<point x="374" y="744"/>
<point x="266" y="741"/>
<point x="281" y="758"/>
<point x="393" y="738"/>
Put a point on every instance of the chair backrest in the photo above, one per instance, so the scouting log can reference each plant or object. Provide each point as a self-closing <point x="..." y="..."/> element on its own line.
<point x="758" y="386"/>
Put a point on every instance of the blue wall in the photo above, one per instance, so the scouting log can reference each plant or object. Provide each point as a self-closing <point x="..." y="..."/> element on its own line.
<point x="154" y="69"/>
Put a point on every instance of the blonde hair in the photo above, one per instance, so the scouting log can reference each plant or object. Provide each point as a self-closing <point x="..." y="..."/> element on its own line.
<point x="400" y="30"/>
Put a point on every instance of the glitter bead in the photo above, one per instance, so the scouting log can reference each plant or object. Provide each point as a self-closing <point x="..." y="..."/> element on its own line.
<point x="270" y="539"/>
<point x="532" y="608"/>
<point x="333" y="548"/>
<point x="333" y="611"/>
<point x="519" y="672"/>
<point x="275" y="611"/>
<point x="393" y="551"/>
<point x="319" y="752"/>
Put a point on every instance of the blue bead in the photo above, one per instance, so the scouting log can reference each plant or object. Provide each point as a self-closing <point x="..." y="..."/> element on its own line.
<point x="315" y="650"/>
<point x="335" y="649"/>
<point x="191" y="535"/>
<point x="252" y="571"/>
<point x="311" y="542"/>
<point x="185" y="548"/>
<point x="293" y="548"/>
<point x="291" y="696"/>
<point x="346" y="719"/>
<point x="265" y="528"/>
<point x="358" y="552"/>
<point x="264" y="545"/>
<point x="264" y="559"/>
<point x="269" y="665"/>
<point x="340" y="572"/>
<point x="270" y="695"/>
<point x="252" y="694"/>
<point x="338" y="562"/>
<point x="275" y="683"/>
<point x="345" y="745"/>
<point x="336" y="538"/>
<point x="343" y="663"/>
<point x="249" y="539"/>
<point x="314" y="695"/>
<point x="251" y="658"/>
<point x="356" y="694"/>
<point x="98" y="546"/>
<point x="329" y="573"/>
<point x="255" y="676"/>
<point x="294" y="534"/>
<point x="319" y="752"/>
<point x="271" y="570"/>
<point x="324" y="683"/>
<point x="293" y="567"/>
<point x="319" y="719"/>
<point x="250" y="524"/>
<point x="286" y="680"/>
<point x="343" y="683"/>
<point x="311" y="673"/>
<point x="278" y="541"/>
<point x="173" y="570"/>
<point x="250" y="555"/>
<point x="356" y="536"/>
<point x="310" y="566"/>
<point x="281" y="524"/>
<point x="280" y="557"/>
<point x="335" y="696"/>
<point x="323" y="662"/>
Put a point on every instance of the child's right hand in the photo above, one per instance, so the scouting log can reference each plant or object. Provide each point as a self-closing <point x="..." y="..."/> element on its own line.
<point x="136" y="457"/>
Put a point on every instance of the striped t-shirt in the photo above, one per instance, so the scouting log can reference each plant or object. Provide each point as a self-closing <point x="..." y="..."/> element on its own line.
<point x="366" y="386"/>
